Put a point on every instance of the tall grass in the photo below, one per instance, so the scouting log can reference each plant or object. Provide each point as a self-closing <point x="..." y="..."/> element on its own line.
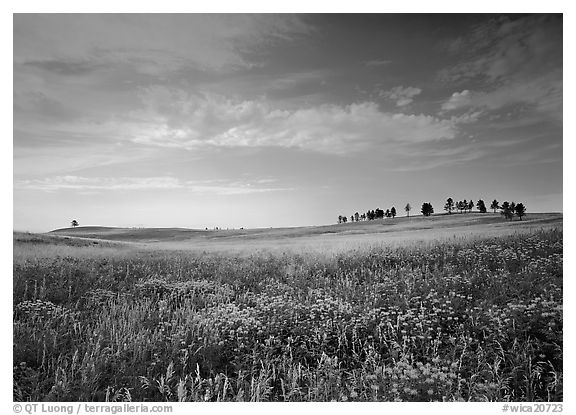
<point x="459" y="320"/>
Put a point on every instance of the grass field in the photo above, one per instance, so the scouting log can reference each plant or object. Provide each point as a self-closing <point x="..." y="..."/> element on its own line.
<point x="446" y="308"/>
<point x="330" y="238"/>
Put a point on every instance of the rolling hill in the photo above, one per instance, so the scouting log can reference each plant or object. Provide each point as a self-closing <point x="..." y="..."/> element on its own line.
<point x="397" y="230"/>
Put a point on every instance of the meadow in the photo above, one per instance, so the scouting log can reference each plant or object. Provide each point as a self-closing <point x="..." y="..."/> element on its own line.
<point x="460" y="318"/>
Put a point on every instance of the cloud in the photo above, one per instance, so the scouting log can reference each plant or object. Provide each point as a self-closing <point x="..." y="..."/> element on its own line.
<point x="510" y="61"/>
<point x="73" y="44"/>
<point x="542" y="95"/>
<point x="174" y="118"/>
<point x="39" y="105"/>
<point x="402" y="96"/>
<point x="377" y="62"/>
<point x="98" y="184"/>
<point x="458" y="100"/>
<point x="503" y="47"/>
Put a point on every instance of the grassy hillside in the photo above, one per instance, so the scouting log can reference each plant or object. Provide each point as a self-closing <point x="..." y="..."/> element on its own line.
<point x="397" y="231"/>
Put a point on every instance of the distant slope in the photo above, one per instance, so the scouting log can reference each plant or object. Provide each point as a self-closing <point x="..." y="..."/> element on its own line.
<point x="412" y="226"/>
<point x="129" y="234"/>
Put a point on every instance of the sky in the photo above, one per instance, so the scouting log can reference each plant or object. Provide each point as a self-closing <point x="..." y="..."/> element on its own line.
<point x="272" y="120"/>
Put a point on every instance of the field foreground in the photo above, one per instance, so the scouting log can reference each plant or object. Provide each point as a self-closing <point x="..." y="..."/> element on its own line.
<point x="460" y="319"/>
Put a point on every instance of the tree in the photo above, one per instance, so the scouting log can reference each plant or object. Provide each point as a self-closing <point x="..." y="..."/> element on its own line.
<point x="408" y="208"/>
<point x="74" y="223"/>
<point x="449" y="206"/>
<point x="506" y="211"/>
<point x="520" y="210"/>
<point x="427" y="209"/>
<point x="387" y="214"/>
<point x="339" y="218"/>
<point x="465" y="205"/>
<point x="379" y="213"/>
<point x="481" y="206"/>
<point x="344" y="219"/>
<point x="494" y="205"/>
<point x="393" y="212"/>
<point x="363" y="216"/>
<point x="470" y="205"/>
<point x="356" y="216"/>
<point x="352" y="218"/>
<point x="460" y="206"/>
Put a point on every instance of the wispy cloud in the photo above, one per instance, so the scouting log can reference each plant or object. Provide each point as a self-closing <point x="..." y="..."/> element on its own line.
<point x="149" y="43"/>
<point x="101" y="184"/>
<point x="542" y="96"/>
<point x="403" y="96"/>
<point x="510" y="62"/>
<point x="377" y="62"/>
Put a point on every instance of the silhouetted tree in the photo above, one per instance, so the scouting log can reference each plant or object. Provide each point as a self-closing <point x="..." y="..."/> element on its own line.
<point x="393" y="212"/>
<point x="363" y="216"/>
<point x="494" y="205"/>
<point x="339" y="218"/>
<point x="352" y="218"/>
<point x="481" y="206"/>
<point x="387" y="214"/>
<point x="520" y="210"/>
<point x="74" y="223"/>
<point x="379" y="213"/>
<point x="470" y="205"/>
<point x="460" y="206"/>
<point x="408" y="208"/>
<point x="356" y="216"/>
<point x="449" y="206"/>
<point x="344" y="219"/>
<point x="506" y="211"/>
<point x="427" y="209"/>
<point x="513" y="207"/>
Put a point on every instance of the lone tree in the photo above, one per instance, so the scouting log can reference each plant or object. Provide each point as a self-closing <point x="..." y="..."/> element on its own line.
<point x="393" y="212"/>
<point x="427" y="209"/>
<point x="449" y="206"/>
<point x="481" y="206"/>
<point x="494" y="205"/>
<point x="408" y="208"/>
<point x="74" y="223"/>
<point x="520" y="210"/>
